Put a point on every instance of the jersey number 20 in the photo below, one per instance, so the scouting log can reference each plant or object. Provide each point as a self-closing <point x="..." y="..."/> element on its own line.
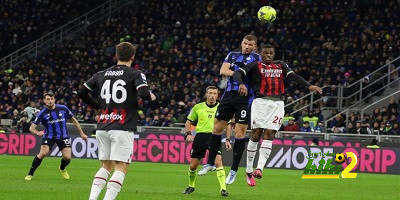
<point x="118" y="93"/>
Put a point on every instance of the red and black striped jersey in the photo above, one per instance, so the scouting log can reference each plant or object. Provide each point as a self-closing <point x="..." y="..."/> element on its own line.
<point x="267" y="78"/>
<point x="118" y="87"/>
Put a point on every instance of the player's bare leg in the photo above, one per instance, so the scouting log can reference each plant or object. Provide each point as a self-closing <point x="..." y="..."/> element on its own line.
<point x="238" y="149"/>
<point x="194" y="163"/>
<point x="100" y="179"/>
<point x="117" y="179"/>
<point x="65" y="160"/>
<point x="44" y="151"/>
<point x="251" y="152"/>
<point x="215" y="142"/>
<point x="264" y="152"/>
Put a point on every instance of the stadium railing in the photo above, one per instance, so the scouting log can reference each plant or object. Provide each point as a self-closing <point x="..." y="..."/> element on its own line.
<point x="60" y="34"/>
<point x="360" y="93"/>
<point x="357" y="107"/>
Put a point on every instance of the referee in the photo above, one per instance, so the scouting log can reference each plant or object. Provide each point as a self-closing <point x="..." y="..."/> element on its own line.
<point x="202" y="116"/>
<point x="54" y="118"/>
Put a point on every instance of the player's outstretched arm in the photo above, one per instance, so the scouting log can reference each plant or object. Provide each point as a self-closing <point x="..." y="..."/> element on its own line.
<point x="78" y="126"/>
<point x="298" y="79"/>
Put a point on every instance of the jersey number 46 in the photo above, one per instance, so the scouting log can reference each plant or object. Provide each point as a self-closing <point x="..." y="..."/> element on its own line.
<point x="118" y="93"/>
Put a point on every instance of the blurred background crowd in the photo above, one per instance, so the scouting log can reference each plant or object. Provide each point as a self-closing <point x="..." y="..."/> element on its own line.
<point x="182" y="44"/>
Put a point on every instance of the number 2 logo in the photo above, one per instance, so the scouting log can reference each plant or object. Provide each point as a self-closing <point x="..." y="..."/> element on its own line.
<point x="346" y="172"/>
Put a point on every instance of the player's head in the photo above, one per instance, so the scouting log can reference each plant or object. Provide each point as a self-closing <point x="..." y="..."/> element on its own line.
<point x="211" y="95"/>
<point x="267" y="53"/>
<point x="49" y="100"/>
<point x="125" y="52"/>
<point x="249" y="44"/>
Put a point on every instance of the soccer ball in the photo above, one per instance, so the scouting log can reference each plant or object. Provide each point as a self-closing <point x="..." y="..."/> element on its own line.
<point x="266" y="14"/>
<point x="340" y="158"/>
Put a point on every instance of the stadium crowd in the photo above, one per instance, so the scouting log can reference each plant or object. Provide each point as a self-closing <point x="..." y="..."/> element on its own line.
<point x="182" y="46"/>
<point x="383" y="121"/>
<point x="22" y="22"/>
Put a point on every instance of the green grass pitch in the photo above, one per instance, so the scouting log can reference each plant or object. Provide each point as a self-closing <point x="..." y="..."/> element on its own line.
<point x="167" y="181"/>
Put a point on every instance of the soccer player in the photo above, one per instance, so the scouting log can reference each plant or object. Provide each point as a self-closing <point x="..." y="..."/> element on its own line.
<point x="54" y="119"/>
<point x="234" y="104"/>
<point x="202" y="116"/>
<point x="119" y="87"/>
<point x="267" y="109"/>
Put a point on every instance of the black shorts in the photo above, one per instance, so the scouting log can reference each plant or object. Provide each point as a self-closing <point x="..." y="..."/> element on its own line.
<point x="200" y="145"/>
<point x="232" y="103"/>
<point x="61" y="143"/>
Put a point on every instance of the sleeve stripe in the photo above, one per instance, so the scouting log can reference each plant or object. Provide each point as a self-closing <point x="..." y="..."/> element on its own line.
<point x="244" y="71"/>
<point x="289" y="73"/>
<point x="87" y="86"/>
<point x="141" y="85"/>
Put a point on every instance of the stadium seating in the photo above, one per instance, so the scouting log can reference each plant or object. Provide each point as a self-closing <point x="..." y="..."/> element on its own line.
<point x="183" y="44"/>
<point x="22" y="22"/>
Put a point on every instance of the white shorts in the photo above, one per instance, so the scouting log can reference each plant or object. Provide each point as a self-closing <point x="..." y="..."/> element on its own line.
<point x="115" y="145"/>
<point x="267" y="114"/>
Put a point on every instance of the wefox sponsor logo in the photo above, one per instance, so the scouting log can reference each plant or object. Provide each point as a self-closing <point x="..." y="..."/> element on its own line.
<point x="114" y="73"/>
<point x="112" y="117"/>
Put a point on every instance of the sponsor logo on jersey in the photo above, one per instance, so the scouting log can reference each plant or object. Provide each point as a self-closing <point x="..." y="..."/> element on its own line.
<point x="112" y="117"/>
<point x="114" y="73"/>
<point x="56" y="121"/>
<point x="272" y="72"/>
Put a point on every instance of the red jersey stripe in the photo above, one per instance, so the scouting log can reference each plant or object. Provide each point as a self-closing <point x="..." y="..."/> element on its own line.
<point x="263" y="80"/>
<point x="276" y="87"/>
<point x="269" y="81"/>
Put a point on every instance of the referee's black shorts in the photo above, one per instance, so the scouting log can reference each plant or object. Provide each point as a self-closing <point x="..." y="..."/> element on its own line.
<point x="200" y="145"/>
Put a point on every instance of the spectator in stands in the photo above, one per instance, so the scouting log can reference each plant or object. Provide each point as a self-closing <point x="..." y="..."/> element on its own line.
<point x="396" y="129"/>
<point x="306" y="127"/>
<point x="291" y="126"/>
<point x="376" y="113"/>
<point x="338" y="122"/>
<point x="384" y="112"/>
<point x="392" y="120"/>
<point x="31" y="109"/>
<point x="286" y="118"/>
<point x="23" y="124"/>
<point x="147" y="122"/>
<point x="318" y="114"/>
<point x="311" y="118"/>
<point x="363" y="128"/>
<point x="377" y="129"/>
<point x="351" y="129"/>
<point x="388" y="130"/>
<point x="15" y="117"/>
<point x="392" y="104"/>
<point x="301" y="104"/>
<point x="319" y="128"/>
<point x="289" y="108"/>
